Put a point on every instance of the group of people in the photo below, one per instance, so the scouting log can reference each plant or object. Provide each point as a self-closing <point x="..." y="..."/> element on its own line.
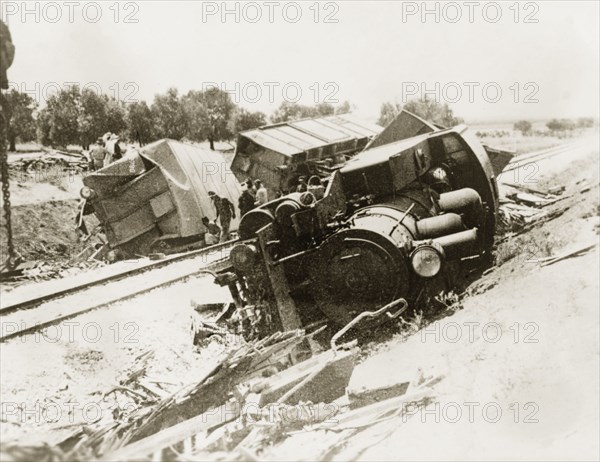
<point x="254" y="194"/>
<point x="106" y="150"/>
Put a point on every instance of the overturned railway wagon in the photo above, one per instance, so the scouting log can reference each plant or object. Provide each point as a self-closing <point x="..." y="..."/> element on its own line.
<point x="154" y="198"/>
<point x="279" y="154"/>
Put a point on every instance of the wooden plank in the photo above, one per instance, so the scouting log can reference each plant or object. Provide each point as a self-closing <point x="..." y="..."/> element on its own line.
<point x="323" y="378"/>
<point x="175" y="434"/>
<point x="286" y="307"/>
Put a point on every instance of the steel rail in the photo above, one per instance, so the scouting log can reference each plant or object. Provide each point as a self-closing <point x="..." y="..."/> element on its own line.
<point x="210" y="269"/>
<point x="38" y="300"/>
<point x="526" y="159"/>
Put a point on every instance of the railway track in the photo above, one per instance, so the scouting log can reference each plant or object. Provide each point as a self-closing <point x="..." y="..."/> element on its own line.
<point x="530" y="158"/>
<point x="32" y="314"/>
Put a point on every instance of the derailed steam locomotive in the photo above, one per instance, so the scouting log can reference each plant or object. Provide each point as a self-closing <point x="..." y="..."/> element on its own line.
<point x="395" y="217"/>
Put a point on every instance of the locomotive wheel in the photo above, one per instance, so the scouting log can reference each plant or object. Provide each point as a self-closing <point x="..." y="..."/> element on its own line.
<point x="253" y="221"/>
<point x="357" y="270"/>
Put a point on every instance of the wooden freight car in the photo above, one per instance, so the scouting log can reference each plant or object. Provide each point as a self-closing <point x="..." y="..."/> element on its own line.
<point x="279" y="154"/>
<point x="155" y="197"/>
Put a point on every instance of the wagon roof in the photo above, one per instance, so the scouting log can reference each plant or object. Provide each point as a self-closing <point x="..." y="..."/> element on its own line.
<point x="194" y="169"/>
<point x="295" y="137"/>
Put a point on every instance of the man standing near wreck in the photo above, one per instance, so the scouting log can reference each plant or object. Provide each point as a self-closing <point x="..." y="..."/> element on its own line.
<point x="99" y="155"/>
<point x="262" y="197"/>
<point x="225" y="213"/>
<point x="245" y="202"/>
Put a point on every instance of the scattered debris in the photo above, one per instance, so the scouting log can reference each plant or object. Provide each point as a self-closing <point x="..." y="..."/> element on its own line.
<point x="571" y="253"/>
<point x="556" y="191"/>
<point x="44" y="270"/>
<point x="256" y="395"/>
<point x="43" y="165"/>
<point x="520" y="210"/>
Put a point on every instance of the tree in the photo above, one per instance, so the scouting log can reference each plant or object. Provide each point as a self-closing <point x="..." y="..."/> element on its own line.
<point x="99" y="114"/>
<point x="433" y="111"/>
<point x="218" y="107"/>
<point x="59" y="119"/>
<point x="43" y="127"/>
<point x="388" y="112"/>
<point x="21" y="123"/>
<point x="72" y="116"/>
<point x="116" y="115"/>
<point x="523" y="126"/>
<point x="91" y="120"/>
<point x="562" y="125"/>
<point x="140" y="125"/>
<point x="292" y="111"/>
<point x="585" y="122"/>
<point x="195" y="114"/>
<point x="343" y="108"/>
<point x="243" y="119"/>
<point x="169" y="117"/>
<point x="426" y="108"/>
<point x="324" y="109"/>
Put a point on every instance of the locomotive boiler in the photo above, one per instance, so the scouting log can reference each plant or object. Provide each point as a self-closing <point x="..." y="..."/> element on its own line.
<point x="393" y="219"/>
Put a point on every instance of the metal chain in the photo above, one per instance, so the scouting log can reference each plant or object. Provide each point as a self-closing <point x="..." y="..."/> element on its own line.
<point x="11" y="260"/>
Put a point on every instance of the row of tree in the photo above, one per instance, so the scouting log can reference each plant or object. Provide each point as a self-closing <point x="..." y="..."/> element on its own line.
<point x="75" y="116"/>
<point x="556" y="125"/>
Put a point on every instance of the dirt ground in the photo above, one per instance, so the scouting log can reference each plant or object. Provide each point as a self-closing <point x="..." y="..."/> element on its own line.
<point x="518" y="364"/>
<point x="45" y="231"/>
<point x="43" y="208"/>
<point x="64" y="372"/>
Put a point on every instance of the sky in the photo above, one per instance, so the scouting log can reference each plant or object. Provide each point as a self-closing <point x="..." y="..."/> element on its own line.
<point x="491" y="61"/>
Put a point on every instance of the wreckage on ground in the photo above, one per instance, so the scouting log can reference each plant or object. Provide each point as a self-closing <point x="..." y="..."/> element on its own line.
<point x="154" y="198"/>
<point x="397" y="217"/>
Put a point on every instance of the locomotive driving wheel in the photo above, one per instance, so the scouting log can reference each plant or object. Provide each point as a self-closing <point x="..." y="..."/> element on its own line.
<point x="357" y="270"/>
